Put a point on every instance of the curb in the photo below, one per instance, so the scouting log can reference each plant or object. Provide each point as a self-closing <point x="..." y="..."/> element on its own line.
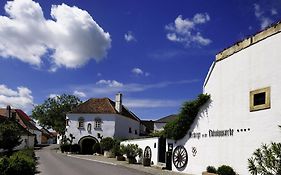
<point x="109" y="163"/>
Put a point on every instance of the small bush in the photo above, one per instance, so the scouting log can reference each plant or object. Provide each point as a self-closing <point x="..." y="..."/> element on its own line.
<point x="20" y="163"/>
<point x="97" y="148"/>
<point x="116" y="148"/>
<point x="75" y="148"/>
<point x="225" y="170"/>
<point x="107" y="143"/>
<point x="4" y="164"/>
<point x="131" y="150"/>
<point x="65" y="147"/>
<point x="211" y="169"/>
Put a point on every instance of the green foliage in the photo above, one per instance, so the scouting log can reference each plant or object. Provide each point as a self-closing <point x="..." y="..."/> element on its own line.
<point x="116" y="148"/>
<point x="211" y="169"/>
<point x="21" y="162"/>
<point x="266" y="160"/>
<point x="97" y="148"/>
<point x="4" y="164"/>
<point x="51" y="113"/>
<point x="10" y="135"/>
<point x="131" y="150"/>
<point x="157" y="133"/>
<point x="107" y="143"/>
<point x="178" y="128"/>
<point x="225" y="170"/>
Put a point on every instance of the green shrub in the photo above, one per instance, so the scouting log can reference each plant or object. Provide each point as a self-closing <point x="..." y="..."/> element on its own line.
<point x="65" y="147"/>
<point x="266" y="160"/>
<point x="97" y="148"/>
<point x="225" y="170"/>
<point x="107" y="143"/>
<point x="4" y="164"/>
<point x="75" y="148"/>
<point x="131" y="150"/>
<point x="211" y="169"/>
<point x="185" y="119"/>
<point x="20" y="163"/>
<point x="116" y="148"/>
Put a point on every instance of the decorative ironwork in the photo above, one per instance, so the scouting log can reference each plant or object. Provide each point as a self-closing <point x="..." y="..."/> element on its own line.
<point x="180" y="157"/>
<point x="147" y="152"/>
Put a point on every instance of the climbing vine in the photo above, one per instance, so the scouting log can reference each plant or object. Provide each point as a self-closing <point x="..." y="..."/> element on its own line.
<point x="178" y="128"/>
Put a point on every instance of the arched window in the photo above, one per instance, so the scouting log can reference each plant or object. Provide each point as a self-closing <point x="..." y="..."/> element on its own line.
<point x="89" y="127"/>
<point x="97" y="123"/>
<point x="81" y="122"/>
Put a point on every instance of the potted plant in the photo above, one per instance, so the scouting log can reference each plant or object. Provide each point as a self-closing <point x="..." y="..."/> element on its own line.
<point x="131" y="151"/>
<point x="106" y="145"/>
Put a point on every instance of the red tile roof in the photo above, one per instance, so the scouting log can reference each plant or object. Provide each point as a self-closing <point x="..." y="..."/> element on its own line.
<point x="102" y="106"/>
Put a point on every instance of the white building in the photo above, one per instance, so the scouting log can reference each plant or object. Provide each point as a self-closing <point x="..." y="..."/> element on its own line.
<point x="160" y="123"/>
<point x="98" y="118"/>
<point x="244" y="111"/>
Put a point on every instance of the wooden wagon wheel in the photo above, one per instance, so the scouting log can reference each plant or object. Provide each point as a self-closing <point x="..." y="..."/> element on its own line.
<point x="147" y="152"/>
<point x="180" y="157"/>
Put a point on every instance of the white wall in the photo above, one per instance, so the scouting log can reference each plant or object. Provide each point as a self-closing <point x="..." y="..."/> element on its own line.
<point x="159" y="126"/>
<point x="122" y="127"/>
<point x="143" y="143"/>
<point x="107" y="126"/>
<point x="229" y="85"/>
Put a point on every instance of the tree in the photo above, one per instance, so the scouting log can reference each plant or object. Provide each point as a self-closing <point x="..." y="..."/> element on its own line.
<point x="266" y="160"/>
<point x="51" y="113"/>
<point x="10" y="135"/>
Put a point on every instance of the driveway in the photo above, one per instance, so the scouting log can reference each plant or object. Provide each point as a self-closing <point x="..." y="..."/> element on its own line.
<point x="52" y="163"/>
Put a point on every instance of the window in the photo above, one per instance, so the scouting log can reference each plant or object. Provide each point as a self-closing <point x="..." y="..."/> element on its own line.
<point x="89" y="127"/>
<point x="136" y="132"/>
<point x="97" y="123"/>
<point x="130" y="130"/>
<point x="81" y="122"/>
<point x="260" y="99"/>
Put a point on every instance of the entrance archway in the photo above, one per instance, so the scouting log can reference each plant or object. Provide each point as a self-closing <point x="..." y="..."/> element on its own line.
<point x="86" y="144"/>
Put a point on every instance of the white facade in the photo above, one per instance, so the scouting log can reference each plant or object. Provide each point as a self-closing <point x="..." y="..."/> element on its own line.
<point x="159" y="126"/>
<point x="229" y="83"/>
<point x="143" y="143"/>
<point x="112" y="125"/>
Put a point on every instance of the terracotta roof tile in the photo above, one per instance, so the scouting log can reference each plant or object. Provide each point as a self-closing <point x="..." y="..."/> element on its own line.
<point x="102" y="106"/>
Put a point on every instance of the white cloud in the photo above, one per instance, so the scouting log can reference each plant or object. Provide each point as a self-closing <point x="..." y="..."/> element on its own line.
<point x="53" y="95"/>
<point x="151" y="103"/>
<point x="185" y="30"/>
<point x="137" y="71"/>
<point x="129" y="36"/>
<point x="274" y="11"/>
<point x="79" y="94"/>
<point x="70" y="39"/>
<point x="110" y="83"/>
<point x="110" y="87"/>
<point x="260" y="15"/>
<point x="20" y="98"/>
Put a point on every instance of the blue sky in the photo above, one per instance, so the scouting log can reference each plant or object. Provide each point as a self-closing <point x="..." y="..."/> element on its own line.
<point x="157" y="53"/>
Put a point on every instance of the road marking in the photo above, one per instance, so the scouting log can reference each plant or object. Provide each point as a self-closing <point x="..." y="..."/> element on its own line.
<point x="109" y="163"/>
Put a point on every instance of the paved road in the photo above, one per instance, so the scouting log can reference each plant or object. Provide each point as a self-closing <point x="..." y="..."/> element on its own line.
<point x="52" y="163"/>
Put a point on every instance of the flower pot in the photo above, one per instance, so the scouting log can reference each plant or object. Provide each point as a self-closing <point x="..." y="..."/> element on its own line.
<point x="120" y="158"/>
<point x="146" y="161"/>
<point x="131" y="160"/>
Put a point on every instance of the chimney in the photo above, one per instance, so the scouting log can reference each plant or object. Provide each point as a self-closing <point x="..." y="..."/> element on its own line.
<point x="8" y="111"/>
<point x="118" y="102"/>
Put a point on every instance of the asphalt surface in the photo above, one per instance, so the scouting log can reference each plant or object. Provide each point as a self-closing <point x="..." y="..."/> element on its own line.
<point x="52" y="163"/>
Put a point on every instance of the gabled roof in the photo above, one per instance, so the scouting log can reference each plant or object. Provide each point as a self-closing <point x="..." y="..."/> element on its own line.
<point x="23" y="119"/>
<point x="167" y="119"/>
<point x="103" y="106"/>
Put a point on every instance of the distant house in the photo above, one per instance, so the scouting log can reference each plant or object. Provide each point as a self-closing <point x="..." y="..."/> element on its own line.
<point x="98" y="118"/>
<point x="27" y="138"/>
<point x="25" y="121"/>
<point x="47" y="137"/>
<point x="160" y="123"/>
